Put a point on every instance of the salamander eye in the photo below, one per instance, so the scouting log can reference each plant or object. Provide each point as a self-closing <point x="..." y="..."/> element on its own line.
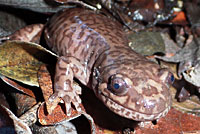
<point x="170" y="79"/>
<point x="117" y="85"/>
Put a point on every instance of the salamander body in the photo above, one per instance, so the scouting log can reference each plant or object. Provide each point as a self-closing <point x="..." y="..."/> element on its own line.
<point x="94" y="49"/>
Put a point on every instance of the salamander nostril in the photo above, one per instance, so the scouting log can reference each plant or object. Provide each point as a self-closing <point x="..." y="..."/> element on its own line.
<point x="154" y="122"/>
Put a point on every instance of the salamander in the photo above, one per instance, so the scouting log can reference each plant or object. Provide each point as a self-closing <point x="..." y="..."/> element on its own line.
<point x="93" y="48"/>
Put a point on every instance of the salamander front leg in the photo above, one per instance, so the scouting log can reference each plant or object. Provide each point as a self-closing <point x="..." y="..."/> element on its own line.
<point x="66" y="69"/>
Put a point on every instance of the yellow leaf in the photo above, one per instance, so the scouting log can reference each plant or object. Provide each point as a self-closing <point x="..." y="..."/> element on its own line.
<point x="21" y="60"/>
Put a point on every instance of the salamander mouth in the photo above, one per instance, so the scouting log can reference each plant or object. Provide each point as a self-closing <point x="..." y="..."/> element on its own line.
<point x="129" y="113"/>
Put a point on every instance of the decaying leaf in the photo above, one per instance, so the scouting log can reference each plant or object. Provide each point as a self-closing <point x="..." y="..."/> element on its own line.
<point x="183" y="95"/>
<point x="187" y="57"/>
<point x="30" y="117"/>
<point x="21" y="61"/>
<point x="146" y="43"/>
<point x="65" y="2"/>
<point x="23" y="102"/>
<point x="170" y="46"/>
<point x="191" y="132"/>
<point x="3" y="101"/>
<point x="175" y="122"/>
<point x="44" y="80"/>
<point x="6" y="123"/>
<point x="64" y="127"/>
<point x="180" y="18"/>
<point x="58" y="116"/>
<point x="42" y="6"/>
<point x="193" y="75"/>
<point x="9" y="23"/>
<point x="130" y="11"/>
<point x="191" y="105"/>
<point x="192" y="8"/>
<point x="17" y="86"/>
<point x="20" y="126"/>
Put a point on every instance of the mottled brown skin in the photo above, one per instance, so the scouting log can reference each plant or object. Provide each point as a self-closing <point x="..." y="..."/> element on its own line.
<point x="93" y="49"/>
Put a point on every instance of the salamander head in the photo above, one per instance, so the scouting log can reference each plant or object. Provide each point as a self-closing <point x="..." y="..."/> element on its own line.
<point x="139" y="94"/>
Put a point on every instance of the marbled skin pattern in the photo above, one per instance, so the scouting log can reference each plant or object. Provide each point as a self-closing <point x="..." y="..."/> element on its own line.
<point x="94" y="49"/>
<point x="29" y="33"/>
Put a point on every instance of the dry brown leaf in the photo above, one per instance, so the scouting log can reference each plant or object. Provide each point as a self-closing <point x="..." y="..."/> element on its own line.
<point x="44" y="80"/>
<point x="17" y="86"/>
<point x="30" y="117"/>
<point x="175" y="122"/>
